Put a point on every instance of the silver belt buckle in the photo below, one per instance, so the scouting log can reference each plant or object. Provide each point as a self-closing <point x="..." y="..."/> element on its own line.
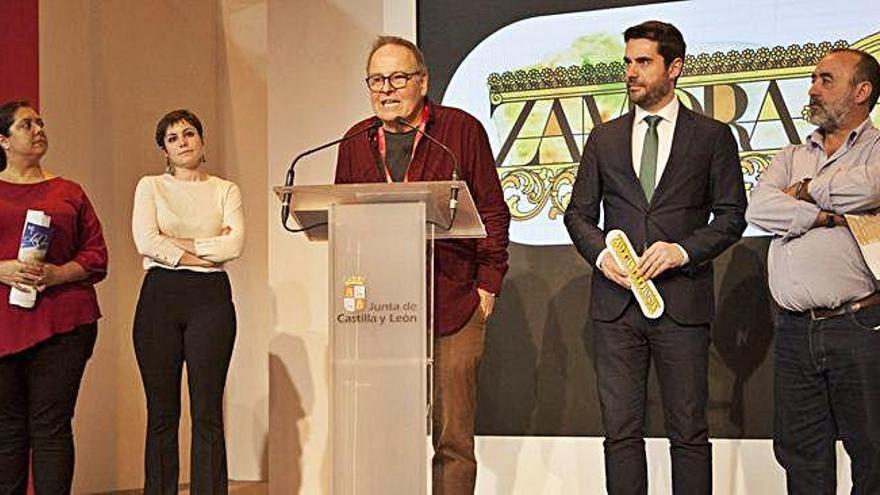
<point x="841" y="310"/>
<point x="817" y="318"/>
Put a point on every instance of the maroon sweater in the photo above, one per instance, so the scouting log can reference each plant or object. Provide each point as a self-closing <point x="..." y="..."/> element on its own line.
<point x="461" y="265"/>
<point x="76" y="236"/>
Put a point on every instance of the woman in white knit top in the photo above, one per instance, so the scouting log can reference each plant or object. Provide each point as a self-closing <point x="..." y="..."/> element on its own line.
<point x="186" y="224"/>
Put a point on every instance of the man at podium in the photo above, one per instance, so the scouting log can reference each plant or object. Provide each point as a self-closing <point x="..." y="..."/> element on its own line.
<point x="468" y="272"/>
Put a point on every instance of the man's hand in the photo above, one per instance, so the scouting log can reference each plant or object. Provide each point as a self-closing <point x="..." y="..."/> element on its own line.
<point x="658" y="258"/>
<point x="487" y="303"/>
<point x="613" y="271"/>
<point x="800" y="190"/>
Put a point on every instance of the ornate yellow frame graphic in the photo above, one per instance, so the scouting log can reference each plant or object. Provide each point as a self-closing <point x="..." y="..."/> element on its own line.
<point x="543" y="116"/>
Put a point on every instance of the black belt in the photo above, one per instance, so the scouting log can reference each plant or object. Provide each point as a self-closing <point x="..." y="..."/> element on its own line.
<point x="844" y="309"/>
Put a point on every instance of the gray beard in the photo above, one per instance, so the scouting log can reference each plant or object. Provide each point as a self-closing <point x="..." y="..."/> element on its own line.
<point x="828" y="118"/>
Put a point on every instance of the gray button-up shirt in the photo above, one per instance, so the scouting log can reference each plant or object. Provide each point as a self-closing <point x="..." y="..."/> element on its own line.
<point x="818" y="267"/>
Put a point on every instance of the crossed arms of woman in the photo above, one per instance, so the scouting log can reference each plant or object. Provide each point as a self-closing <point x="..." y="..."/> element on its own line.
<point x="169" y="250"/>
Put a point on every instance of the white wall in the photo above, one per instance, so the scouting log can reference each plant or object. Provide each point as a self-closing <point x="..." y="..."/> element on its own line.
<point x="311" y="100"/>
<point x="241" y="121"/>
<point x="317" y="59"/>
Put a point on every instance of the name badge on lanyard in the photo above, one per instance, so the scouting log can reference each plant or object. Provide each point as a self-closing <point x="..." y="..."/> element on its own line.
<point x="423" y="120"/>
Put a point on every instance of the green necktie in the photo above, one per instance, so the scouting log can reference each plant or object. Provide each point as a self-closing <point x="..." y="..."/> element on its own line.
<point x="648" y="167"/>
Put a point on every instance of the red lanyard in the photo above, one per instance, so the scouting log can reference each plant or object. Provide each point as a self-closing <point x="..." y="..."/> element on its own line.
<point x="423" y="120"/>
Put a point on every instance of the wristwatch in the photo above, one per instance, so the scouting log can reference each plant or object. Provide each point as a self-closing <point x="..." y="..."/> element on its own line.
<point x="829" y="220"/>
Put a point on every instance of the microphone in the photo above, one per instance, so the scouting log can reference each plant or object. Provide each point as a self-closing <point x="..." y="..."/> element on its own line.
<point x="288" y="181"/>
<point x="453" y="190"/>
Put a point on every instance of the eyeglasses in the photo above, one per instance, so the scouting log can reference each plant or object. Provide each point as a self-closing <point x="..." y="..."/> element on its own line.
<point x="397" y="80"/>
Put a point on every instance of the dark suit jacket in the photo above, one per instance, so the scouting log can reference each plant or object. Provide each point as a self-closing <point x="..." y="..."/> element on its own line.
<point x="702" y="177"/>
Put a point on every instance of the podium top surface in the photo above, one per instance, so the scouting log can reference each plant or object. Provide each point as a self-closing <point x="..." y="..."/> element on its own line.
<point x="309" y="204"/>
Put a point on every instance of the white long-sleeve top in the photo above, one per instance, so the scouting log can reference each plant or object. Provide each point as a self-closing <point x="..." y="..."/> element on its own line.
<point x="166" y="208"/>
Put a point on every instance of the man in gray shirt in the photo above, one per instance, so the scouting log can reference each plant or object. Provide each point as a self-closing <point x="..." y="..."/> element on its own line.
<point x="827" y="350"/>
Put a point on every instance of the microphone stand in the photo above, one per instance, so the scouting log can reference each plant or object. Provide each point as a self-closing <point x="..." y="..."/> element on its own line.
<point x="454" y="188"/>
<point x="288" y="180"/>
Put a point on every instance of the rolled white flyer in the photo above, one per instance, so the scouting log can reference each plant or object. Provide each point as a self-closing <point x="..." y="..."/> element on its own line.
<point x="646" y="293"/>
<point x="35" y="238"/>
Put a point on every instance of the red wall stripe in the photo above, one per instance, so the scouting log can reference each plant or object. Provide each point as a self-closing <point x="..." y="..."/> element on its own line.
<point x="20" y="51"/>
<point x="20" y="60"/>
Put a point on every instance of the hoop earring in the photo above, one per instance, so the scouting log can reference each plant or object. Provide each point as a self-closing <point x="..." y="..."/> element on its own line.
<point x="169" y="168"/>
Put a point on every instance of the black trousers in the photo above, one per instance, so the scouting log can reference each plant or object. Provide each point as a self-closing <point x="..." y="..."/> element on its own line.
<point x="624" y="349"/>
<point x="38" y="390"/>
<point x="184" y="316"/>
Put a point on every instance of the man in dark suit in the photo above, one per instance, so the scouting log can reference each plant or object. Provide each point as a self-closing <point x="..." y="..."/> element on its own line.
<point x="661" y="172"/>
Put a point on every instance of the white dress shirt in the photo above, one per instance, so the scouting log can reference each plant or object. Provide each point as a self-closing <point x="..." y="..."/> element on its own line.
<point x="665" y="132"/>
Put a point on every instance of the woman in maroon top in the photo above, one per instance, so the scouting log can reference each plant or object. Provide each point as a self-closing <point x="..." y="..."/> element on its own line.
<point x="43" y="349"/>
